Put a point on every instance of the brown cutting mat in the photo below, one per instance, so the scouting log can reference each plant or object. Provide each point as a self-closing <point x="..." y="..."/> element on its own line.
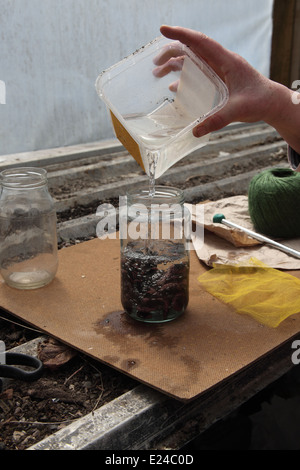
<point x="183" y="358"/>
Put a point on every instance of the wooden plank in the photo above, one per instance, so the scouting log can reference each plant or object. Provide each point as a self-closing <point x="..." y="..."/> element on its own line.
<point x="59" y="154"/>
<point x="282" y="40"/>
<point x="120" y="424"/>
<point x="295" y="60"/>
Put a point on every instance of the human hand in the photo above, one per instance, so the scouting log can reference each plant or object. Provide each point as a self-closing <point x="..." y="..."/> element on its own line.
<point x="250" y="93"/>
<point x="169" y="59"/>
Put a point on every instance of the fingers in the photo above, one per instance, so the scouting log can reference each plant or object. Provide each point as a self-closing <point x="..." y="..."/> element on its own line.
<point x="214" y="123"/>
<point x="167" y="52"/>
<point x="209" y="49"/>
<point x="174" y="86"/>
<point x="169" y="59"/>
<point x="192" y="38"/>
<point x="172" y="65"/>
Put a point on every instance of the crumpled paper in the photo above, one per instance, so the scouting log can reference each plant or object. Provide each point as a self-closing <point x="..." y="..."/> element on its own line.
<point x="228" y="246"/>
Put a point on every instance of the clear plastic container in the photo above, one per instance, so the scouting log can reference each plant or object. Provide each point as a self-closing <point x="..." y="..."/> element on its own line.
<point x="153" y="116"/>
<point x="28" y="237"/>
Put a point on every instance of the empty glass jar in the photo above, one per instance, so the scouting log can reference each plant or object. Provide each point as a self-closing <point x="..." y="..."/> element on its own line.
<point x="154" y="255"/>
<point x="28" y="237"/>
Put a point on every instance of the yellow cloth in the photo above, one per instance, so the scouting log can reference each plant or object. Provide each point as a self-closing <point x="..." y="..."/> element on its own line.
<point x="265" y="293"/>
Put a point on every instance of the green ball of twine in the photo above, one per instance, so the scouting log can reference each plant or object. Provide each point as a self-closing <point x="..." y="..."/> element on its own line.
<point x="274" y="203"/>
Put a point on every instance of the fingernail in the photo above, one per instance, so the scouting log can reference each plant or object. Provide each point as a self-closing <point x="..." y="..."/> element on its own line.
<point x="199" y="131"/>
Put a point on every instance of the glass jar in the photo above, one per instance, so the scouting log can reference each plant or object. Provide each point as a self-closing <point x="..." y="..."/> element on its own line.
<point x="28" y="237"/>
<point x="155" y="260"/>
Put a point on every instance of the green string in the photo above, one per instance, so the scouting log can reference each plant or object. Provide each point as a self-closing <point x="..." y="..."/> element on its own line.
<point x="274" y="203"/>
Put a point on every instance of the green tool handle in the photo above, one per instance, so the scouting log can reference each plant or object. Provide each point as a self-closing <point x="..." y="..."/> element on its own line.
<point x="220" y="218"/>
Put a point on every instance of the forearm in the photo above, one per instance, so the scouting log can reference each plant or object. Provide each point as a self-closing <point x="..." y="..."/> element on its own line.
<point x="284" y="114"/>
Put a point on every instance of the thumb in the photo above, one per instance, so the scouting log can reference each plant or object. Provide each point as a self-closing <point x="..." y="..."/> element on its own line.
<point x="213" y="123"/>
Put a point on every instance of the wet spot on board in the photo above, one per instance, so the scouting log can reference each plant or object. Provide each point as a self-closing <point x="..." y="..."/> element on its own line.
<point x="111" y="359"/>
<point x="120" y="322"/>
<point x="129" y="364"/>
<point x="117" y="325"/>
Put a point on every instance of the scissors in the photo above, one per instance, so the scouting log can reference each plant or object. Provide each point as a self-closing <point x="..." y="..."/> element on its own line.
<point x="9" y="369"/>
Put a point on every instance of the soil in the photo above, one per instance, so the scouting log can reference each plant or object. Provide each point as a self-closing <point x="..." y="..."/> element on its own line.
<point x="82" y="183"/>
<point x="71" y="386"/>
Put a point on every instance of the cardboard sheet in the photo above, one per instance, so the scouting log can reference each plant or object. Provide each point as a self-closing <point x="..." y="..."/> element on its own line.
<point x="183" y="358"/>
<point x="225" y="245"/>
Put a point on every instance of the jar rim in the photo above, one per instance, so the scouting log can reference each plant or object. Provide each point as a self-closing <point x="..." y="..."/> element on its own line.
<point x="162" y="194"/>
<point x="23" y="177"/>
